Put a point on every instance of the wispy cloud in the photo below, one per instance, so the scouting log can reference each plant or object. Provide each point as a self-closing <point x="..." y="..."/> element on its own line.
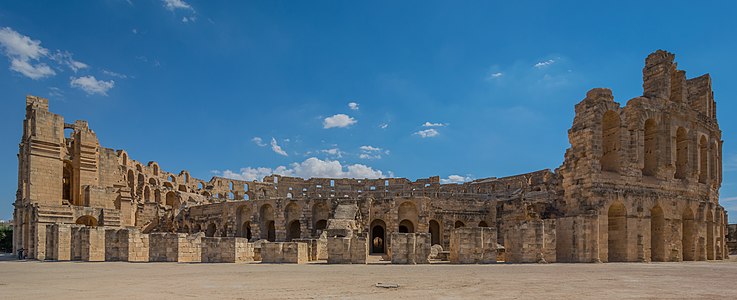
<point x="114" y="74"/>
<point x="65" y="58"/>
<point x="339" y="121"/>
<point x="91" y="86"/>
<point x="353" y="106"/>
<point x="174" y="5"/>
<point x="276" y="148"/>
<point x="371" y="152"/>
<point x="258" y="141"/>
<point x="543" y="64"/>
<point x="455" y="179"/>
<point x="429" y="124"/>
<point x="427" y="133"/>
<point x="24" y="54"/>
<point x="495" y="75"/>
<point x="384" y="125"/>
<point x="334" y="152"/>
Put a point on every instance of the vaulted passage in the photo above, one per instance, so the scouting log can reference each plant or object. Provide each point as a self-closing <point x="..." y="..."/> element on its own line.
<point x="434" y="232"/>
<point x="406" y="226"/>
<point x="703" y="160"/>
<point x="211" y="229"/>
<point x="378" y="236"/>
<point x="617" y="229"/>
<point x="246" y="230"/>
<point x="687" y="235"/>
<point x="650" y="163"/>
<point x="657" y="234"/>
<point x="709" y="236"/>
<point x="681" y="153"/>
<point x="294" y="231"/>
<point x="610" y="142"/>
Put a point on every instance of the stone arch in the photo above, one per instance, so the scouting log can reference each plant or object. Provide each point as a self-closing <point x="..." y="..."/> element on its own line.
<point x="435" y="234"/>
<point x="243" y="220"/>
<point x="650" y="148"/>
<point x="688" y="233"/>
<point x="459" y="224"/>
<point x="406" y="226"/>
<point x="681" y="153"/>
<point x="157" y="196"/>
<point x="211" y="230"/>
<point x="87" y="220"/>
<point x="714" y="162"/>
<point x="483" y="224"/>
<point x="124" y="157"/>
<point x="709" y="235"/>
<point x="408" y="212"/>
<point x="617" y="232"/>
<point x="294" y="230"/>
<point x="610" y="141"/>
<point x="156" y="169"/>
<point x="657" y="234"/>
<point x="132" y="182"/>
<point x="268" y="230"/>
<point x="292" y="211"/>
<point x="67" y="182"/>
<point x="320" y="216"/>
<point x="172" y="200"/>
<point x="147" y="194"/>
<point x="197" y="228"/>
<point x="152" y="181"/>
<point x="141" y="179"/>
<point x="378" y="236"/>
<point x="703" y="160"/>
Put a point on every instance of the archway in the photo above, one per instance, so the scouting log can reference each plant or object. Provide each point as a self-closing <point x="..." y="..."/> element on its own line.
<point x="687" y="235"/>
<point x="378" y="236"/>
<point x="320" y="215"/>
<point x="243" y="218"/>
<point x="610" y="142"/>
<point x="171" y="200"/>
<point x="657" y="234"/>
<point x="67" y="183"/>
<point x="320" y="225"/>
<point x="650" y="157"/>
<point x="197" y="228"/>
<point x="406" y="226"/>
<point x="703" y="160"/>
<point x="211" y="229"/>
<point x="483" y="224"/>
<point x="681" y="153"/>
<point x="87" y="221"/>
<point x="271" y="232"/>
<point x="434" y="232"/>
<point x="617" y="229"/>
<point x="266" y="214"/>
<point x="293" y="230"/>
<point x="246" y="230"/>
<point x="709" y="235"/>
<point x="459" y="224"/>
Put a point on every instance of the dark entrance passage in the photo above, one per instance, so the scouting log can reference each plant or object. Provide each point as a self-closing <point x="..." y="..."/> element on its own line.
<point x="378" y="237"/>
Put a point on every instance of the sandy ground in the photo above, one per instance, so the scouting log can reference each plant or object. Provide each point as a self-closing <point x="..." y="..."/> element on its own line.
<point x="79" y="280"/>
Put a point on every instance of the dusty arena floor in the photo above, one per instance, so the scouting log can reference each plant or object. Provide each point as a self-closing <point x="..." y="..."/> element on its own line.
<point x="78" y="280"/>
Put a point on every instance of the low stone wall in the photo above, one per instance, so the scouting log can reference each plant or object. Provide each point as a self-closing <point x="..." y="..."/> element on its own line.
<point x="473" y="245"/>
<point x="226" y="250"/>
<point x="126" y="244"/>
<point x="175" y="247"/>
<point x="58" y="242"/>
<point x="410" y="248"/>
<point x="288" y="252"/>
<point x="316" y="248"/>
<point x="347" y="250"/>
<point x="138" y="246"/>
<point x="88" y="243"/>
<point x="531" y="241"/>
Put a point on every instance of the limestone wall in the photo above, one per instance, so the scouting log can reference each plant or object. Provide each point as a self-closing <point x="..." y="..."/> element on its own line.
<point x="473" y="245"/>
<point x="58" y="242"/>
<point x="316" y="248"/>
<point x="347" y="250"/>
<point x="88" y="243"/>
<point x="286" y="252"/>
<point x="226" y="250"/>
<point x="531" y="241"/>
<point x="410" y="248"/>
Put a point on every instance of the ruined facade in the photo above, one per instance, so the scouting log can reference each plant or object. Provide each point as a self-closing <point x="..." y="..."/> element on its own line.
<point x="639" y="183"/>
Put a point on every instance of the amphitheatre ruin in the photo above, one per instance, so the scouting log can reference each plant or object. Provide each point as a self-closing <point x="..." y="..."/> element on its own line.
<point x="639" y="183"/>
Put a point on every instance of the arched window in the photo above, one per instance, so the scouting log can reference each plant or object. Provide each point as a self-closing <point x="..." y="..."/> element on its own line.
<point x="459" y="224"/>
<point x="650" y="152"/>
<point x="67" y="182"/>
<point x="156" y="170"/>
<point x="610" y="142"/>
<point x="681" y="153"/>
<point x="703" y="160"/>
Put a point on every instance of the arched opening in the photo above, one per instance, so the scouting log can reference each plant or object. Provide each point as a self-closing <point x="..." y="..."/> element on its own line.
<point x="172" y="178"/>
<point x="125" y="159"/>
<point x="709" y="235"/>
<point x="156" y="170"/>
<point x="378" y="236"/>
<point x="320" y="225"/>
<point x="197" y="228"/>
<point x="617" y="229"/>
<point x="182" y="188"/>
<point x="67" y="183"/>
<point x="268" y="231"/>
<point x="157" y="196"/>
<point x="681" y="153"/>
<point x="714" y="162"/>
<point x="703" y="159"/>
<point x="483" y="224"/>
<point x="610" y="142"/>
<point x="211" y="229"/>
<point x="152" y="181"/>
<point x="459" y="224"/>
<point x="147" y="194"/>
<point x="434" y="232"/>
<point x="87" y="221"/>
<point x="131" y="182"/>
<point x="246" y="230"/>
<point x="293" y="230"/>
<point x="289" y="195"/>
<point x="320" y="214"/>
<point x="141" y="179"/>
<point x="657" y="234"/>
<point x="406" y="226"/>
<point x="171" y="200"/>
<point x="200" y="185"/>
<point x="650" y="163"/>
<point x="687" y="235"/>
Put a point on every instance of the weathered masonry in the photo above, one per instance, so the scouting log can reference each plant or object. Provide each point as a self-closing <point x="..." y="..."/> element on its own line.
<point x="639" y="183"/>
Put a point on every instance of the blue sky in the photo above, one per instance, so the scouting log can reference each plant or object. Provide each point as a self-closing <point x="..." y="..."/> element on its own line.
<point x="462" y="90"/>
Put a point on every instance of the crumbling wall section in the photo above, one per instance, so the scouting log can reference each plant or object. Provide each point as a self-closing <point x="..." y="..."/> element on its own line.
<point x="410" y="248"/>
<point x="531" y="241"/>
<point x="286" y="252"/>
<point x="475" y="245"/>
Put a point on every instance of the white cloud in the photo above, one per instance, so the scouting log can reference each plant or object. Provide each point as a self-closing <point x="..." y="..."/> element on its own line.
<point x="277" y="149"/>
<point x="21" y="50"/>
<point x="428" y="124"/>
<point x="189" y="19"/>
<point x="333" y="152"/>
<point x="353" y="106"/>
<point x="455" y="179"/>
<point x="338" y="120"/>
<point x="427" y="133"/>
<point x="114" y="74"/>
<point x="495" y="75"/>
<point x="91" y="85"/>
<point x="65" y="58"/>
<point x="727" y="199"/>
<point x="544" y="63"/>
<point x="135" y="31"/>
<point x="384" y="126"/>
<point x="258" y="141"/>
<point x="370" y="148"/>
<point x="173" y="5"/>
<point x="309" y="168"/>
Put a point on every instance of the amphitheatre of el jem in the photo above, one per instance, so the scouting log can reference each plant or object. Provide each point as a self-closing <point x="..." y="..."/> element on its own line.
<point x="639" y="183"/>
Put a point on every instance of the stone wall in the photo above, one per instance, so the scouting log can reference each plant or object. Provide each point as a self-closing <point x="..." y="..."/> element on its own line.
<point x="347" y="250"/>
<point x="88" y="243"/>
<point x="410" y="248"/>
<point x="58" y="242"/>
<point x="226" y="250"/>
<point x="316" y="248"/>
<point x="531" y="241"/>
<point x="284" y="252"/>
<point x="473" y="245"/>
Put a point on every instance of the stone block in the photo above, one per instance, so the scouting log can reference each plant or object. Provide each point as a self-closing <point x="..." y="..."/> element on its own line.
<point x="410" y="248"/>
<point x="286" y="252"/>
<point x="473" y="245"/>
